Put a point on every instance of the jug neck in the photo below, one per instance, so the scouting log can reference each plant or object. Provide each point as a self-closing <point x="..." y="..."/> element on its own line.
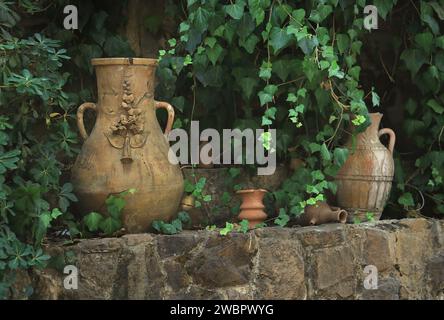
<point x="120" y="77"/>
<point x="370" y="135"/>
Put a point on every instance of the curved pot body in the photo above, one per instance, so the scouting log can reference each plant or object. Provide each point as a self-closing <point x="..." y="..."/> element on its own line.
<point x="365" y="180"/>
<point x="252" y="207"/>
<point x="127" y="148"/>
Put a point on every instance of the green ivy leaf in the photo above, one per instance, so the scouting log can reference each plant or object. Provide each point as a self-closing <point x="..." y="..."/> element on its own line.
<point x="55" y="213"/>
<point x="414" y="59"/>
<point x="406" y="200"/>
<point x="424" y="41"/>
<point x="440" y="42"/>
<point x="298" y="15"/>
<point x="92" y="221"/>
<point x="334" y="71"/>
<point x="244" y="226"/>
<point x="279" y="39"/>
<point x="354" y="72"/>
<point x="214" y="53"/>
<point x="210" y="42"/>
<point x="375" y="98"/>
<point x="292" y="97"/>
<point x="110" y="225"/>
<point x="299" y="32"/>
<point x="265" y="70"/>
<point x="317" y="175"/>
<point x="267" y="94"/>
<point x="309" y="68"/>
<point x="250" y="44"/>
<point x="266" y="121"/>
<point x="302" y="92"/>
<point x="184" y="217"/>
<point x="324" y="64"/>
<point x="115" y="205"/>
<point x="320" y="13"/>
<point x="340" y="156"/>
<point x="248" y="84"/>
<point x="236" y="11"/>
<point x="271" y="112"/>
<point x="183" y="27"/>
<point x="282" y="219"/>
<point x="438" y="8"/>
<point x="435" y="106"/>
<point x="384" y="7"/>
<point x="343" y="42"/>
<point x="177" y="224"/>
<point x="282" y="68"/>
<point x="228" y="228"/>
<point x="256" y="11"/>
<point x="307" y="44"/>
<point x="326" y="156"/>
<point x="201" y="18"/>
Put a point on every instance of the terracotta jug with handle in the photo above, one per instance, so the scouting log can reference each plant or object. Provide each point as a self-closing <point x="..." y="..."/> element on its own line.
<point x="127" y="149"/>
<point x="321" y="213"/>
<point x="365" y="180"/>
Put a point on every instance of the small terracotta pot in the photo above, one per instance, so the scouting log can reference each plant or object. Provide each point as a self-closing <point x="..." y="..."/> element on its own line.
<point x="252" y="207"/>
<point x="321" y="213"/>
<point x="295" y="164"/>
<point x="187" y="203"/>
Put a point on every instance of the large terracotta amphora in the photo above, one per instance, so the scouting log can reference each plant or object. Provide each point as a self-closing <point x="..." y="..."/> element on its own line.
<point x="365" y="180"/>
<point x="127" y="148"/>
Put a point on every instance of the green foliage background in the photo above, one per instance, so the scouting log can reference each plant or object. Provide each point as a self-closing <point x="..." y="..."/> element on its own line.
<point x="307" y="68"/>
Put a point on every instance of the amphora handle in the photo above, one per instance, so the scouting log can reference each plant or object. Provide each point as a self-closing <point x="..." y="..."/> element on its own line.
<point x="80" y="112"/>
<point x="169" y="108"/>
<point x="392" y="137"/>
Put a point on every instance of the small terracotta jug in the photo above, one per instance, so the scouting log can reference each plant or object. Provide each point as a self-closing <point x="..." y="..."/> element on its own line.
<point x="252" y="207"/>
<point x="321" y="213"/>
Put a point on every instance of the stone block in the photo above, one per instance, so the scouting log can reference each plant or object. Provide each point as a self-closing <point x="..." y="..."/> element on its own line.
<point x="223" y="261"/>
<point x="279" y="269"/>
<point x="327" y="235"/>
<point x="435" y="274"/>
<point x="332" y="266"/>
<point x="178" y="244"/>
<point x="378" y="249"/>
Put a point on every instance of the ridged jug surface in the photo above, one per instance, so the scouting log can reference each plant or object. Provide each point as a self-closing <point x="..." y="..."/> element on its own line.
<point x="127" y="148"/>
<point x="365" y="180"/>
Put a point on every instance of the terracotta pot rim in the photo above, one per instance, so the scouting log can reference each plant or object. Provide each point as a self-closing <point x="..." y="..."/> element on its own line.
<point x="123" y="61"/>
<point x="376" y="114"/>
<point x="250" y="190"/>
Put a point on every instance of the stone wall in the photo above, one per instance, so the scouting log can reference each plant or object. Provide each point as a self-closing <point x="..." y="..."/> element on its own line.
<point x="322" y="262"/>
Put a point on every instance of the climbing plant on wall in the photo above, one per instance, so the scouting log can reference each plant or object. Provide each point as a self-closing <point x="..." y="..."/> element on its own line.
<point x="297" y="66"/>
<point x="276" y="64"/>
<point x="38" y="138"/>
<point x="420" y="165"/>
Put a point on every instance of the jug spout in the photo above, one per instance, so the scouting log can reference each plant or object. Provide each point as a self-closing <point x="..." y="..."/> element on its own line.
<point x="321" y="212"/>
